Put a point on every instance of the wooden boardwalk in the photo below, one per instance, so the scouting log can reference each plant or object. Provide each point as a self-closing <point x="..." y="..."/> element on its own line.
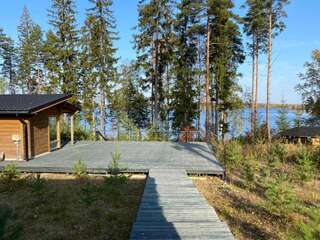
<point x="172" y="208"/>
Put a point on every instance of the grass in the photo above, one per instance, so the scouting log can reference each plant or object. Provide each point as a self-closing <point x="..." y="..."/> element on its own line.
<point x="65" y="207"/>
<point x="273" y="202"/>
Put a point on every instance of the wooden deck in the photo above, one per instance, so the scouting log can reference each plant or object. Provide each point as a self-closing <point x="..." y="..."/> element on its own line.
<point x="172" y="208"/>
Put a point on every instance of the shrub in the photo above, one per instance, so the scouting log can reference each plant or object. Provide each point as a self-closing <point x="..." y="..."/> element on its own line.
<point x="36" y="184"/>
<point x="276" y="154"/>
<point x="10" y="172"/>
<point x="248" y="170"/>
<point x="281" y="199"/>
<point x="309" y="229"/>
<point x="316" y="157"/>
<point x="79" y="169"/>
<point x="232" y="154"/>
<point x="114" y="168"/>
<point x="281" y="151"/>
<point x="305" y="166"/>
<point x="88" y="194"/>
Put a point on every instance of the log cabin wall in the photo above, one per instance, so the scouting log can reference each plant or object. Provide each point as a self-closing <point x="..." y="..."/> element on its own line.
<point x="9" y="127"/>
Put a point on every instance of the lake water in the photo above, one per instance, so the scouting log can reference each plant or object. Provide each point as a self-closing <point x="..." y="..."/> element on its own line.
<point x="239" y="120"/>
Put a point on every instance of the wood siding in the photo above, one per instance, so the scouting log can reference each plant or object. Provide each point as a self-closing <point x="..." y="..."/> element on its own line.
<point x="39" y="134"/>
<point x="9" y="127"/>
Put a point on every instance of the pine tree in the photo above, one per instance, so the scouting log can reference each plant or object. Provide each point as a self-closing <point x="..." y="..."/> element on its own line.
<point x="61" y="48"/>
<point x="2" y="42"/>
<point x="24" y="52"/>
<point x="275" y="12"/>
<point x="129" y="105"/>
<point x="226" y="54"/>
<point x="37" y="60"/>
<point x="9" y="63"/>
<point x="136" y="104"/>
<point x="187" y="26"/>
<point x="282" y="119"/>
<point x="154" y="43"/>
<point x="255" y="26"/>
<point x="100" y="28"/>
<point x="29" y="54"/>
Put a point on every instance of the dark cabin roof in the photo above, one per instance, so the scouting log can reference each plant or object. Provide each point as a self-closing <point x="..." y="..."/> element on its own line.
<point x="23" y="104"/>
<point x="302" y="132"/>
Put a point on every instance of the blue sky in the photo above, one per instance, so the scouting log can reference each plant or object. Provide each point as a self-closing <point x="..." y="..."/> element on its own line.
<point x="291" y="49"/>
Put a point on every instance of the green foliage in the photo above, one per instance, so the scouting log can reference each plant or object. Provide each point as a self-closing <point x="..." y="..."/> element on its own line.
<point x="309" y="86"/>
<point x="10" y="172"/>
<point x="248" y="170"/>
<point x="79" y="169"/>
<point x="129" y="99"/>
<point x="114" y="167"/>
<point x="156" y="135"/>
<point x="281" y="199"/>
<point x="232" y="154"/>
<point x="60" y="49"/>
<point x="154" y="43"/>
<point x="29" y="54"/>
<point x="188" y="29"/>
<point x="308" y="229"/>
<point x="88" y="194"/>
<point x="225" y="57"/>
<point x="80" y="133"/>
<point x="305" y="165"/>
<point x="37" y="184"/>
<point x="282" y="118"/>
<point x="276" y="154"/>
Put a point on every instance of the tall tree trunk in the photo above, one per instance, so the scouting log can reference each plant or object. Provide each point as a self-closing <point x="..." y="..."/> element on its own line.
<point x="207" y="84"/>
<point x="93" y="123"/>
<point x="256" y="122"/>
<point x="253" y="88"/>
<point x="102" y="112"/>
<point x="156" y="86"/>
<point x="269" y="75"/>
<point x="199" y="87"/>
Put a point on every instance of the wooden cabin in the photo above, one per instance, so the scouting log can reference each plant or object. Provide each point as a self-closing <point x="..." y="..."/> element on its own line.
<point x="30" y="124"/>
<point x="305" y="135"/>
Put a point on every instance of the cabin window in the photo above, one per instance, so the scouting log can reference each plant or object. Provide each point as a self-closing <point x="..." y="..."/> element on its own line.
<point x="53" y="131"/>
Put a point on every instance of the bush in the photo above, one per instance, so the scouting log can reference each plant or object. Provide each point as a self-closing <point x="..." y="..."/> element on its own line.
<point x="305" y="165"/>
<point x="10" y="172"/>
<point x="114" y="168"/>
<point x="280" y="151"/>
<point x="79" y="169"/>
<point x="316" y="157"/>
<point x="232" y="155"/>
<point x="248" y="170"/>
<point x="309" y="229"/>
<point x="36" y="183"/>
<point x="281" y="199"/>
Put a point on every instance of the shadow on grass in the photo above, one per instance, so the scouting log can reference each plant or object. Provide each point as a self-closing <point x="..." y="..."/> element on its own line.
<point x="63" y="207"/>
<point x="247" y="229"/>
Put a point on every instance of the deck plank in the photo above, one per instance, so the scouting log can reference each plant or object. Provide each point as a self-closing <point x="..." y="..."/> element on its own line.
<point x="172" y="208"/>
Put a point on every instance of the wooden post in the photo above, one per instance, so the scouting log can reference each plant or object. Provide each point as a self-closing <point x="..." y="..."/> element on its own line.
<point x="58" y="129"/>
<point x="72" y="129"/>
